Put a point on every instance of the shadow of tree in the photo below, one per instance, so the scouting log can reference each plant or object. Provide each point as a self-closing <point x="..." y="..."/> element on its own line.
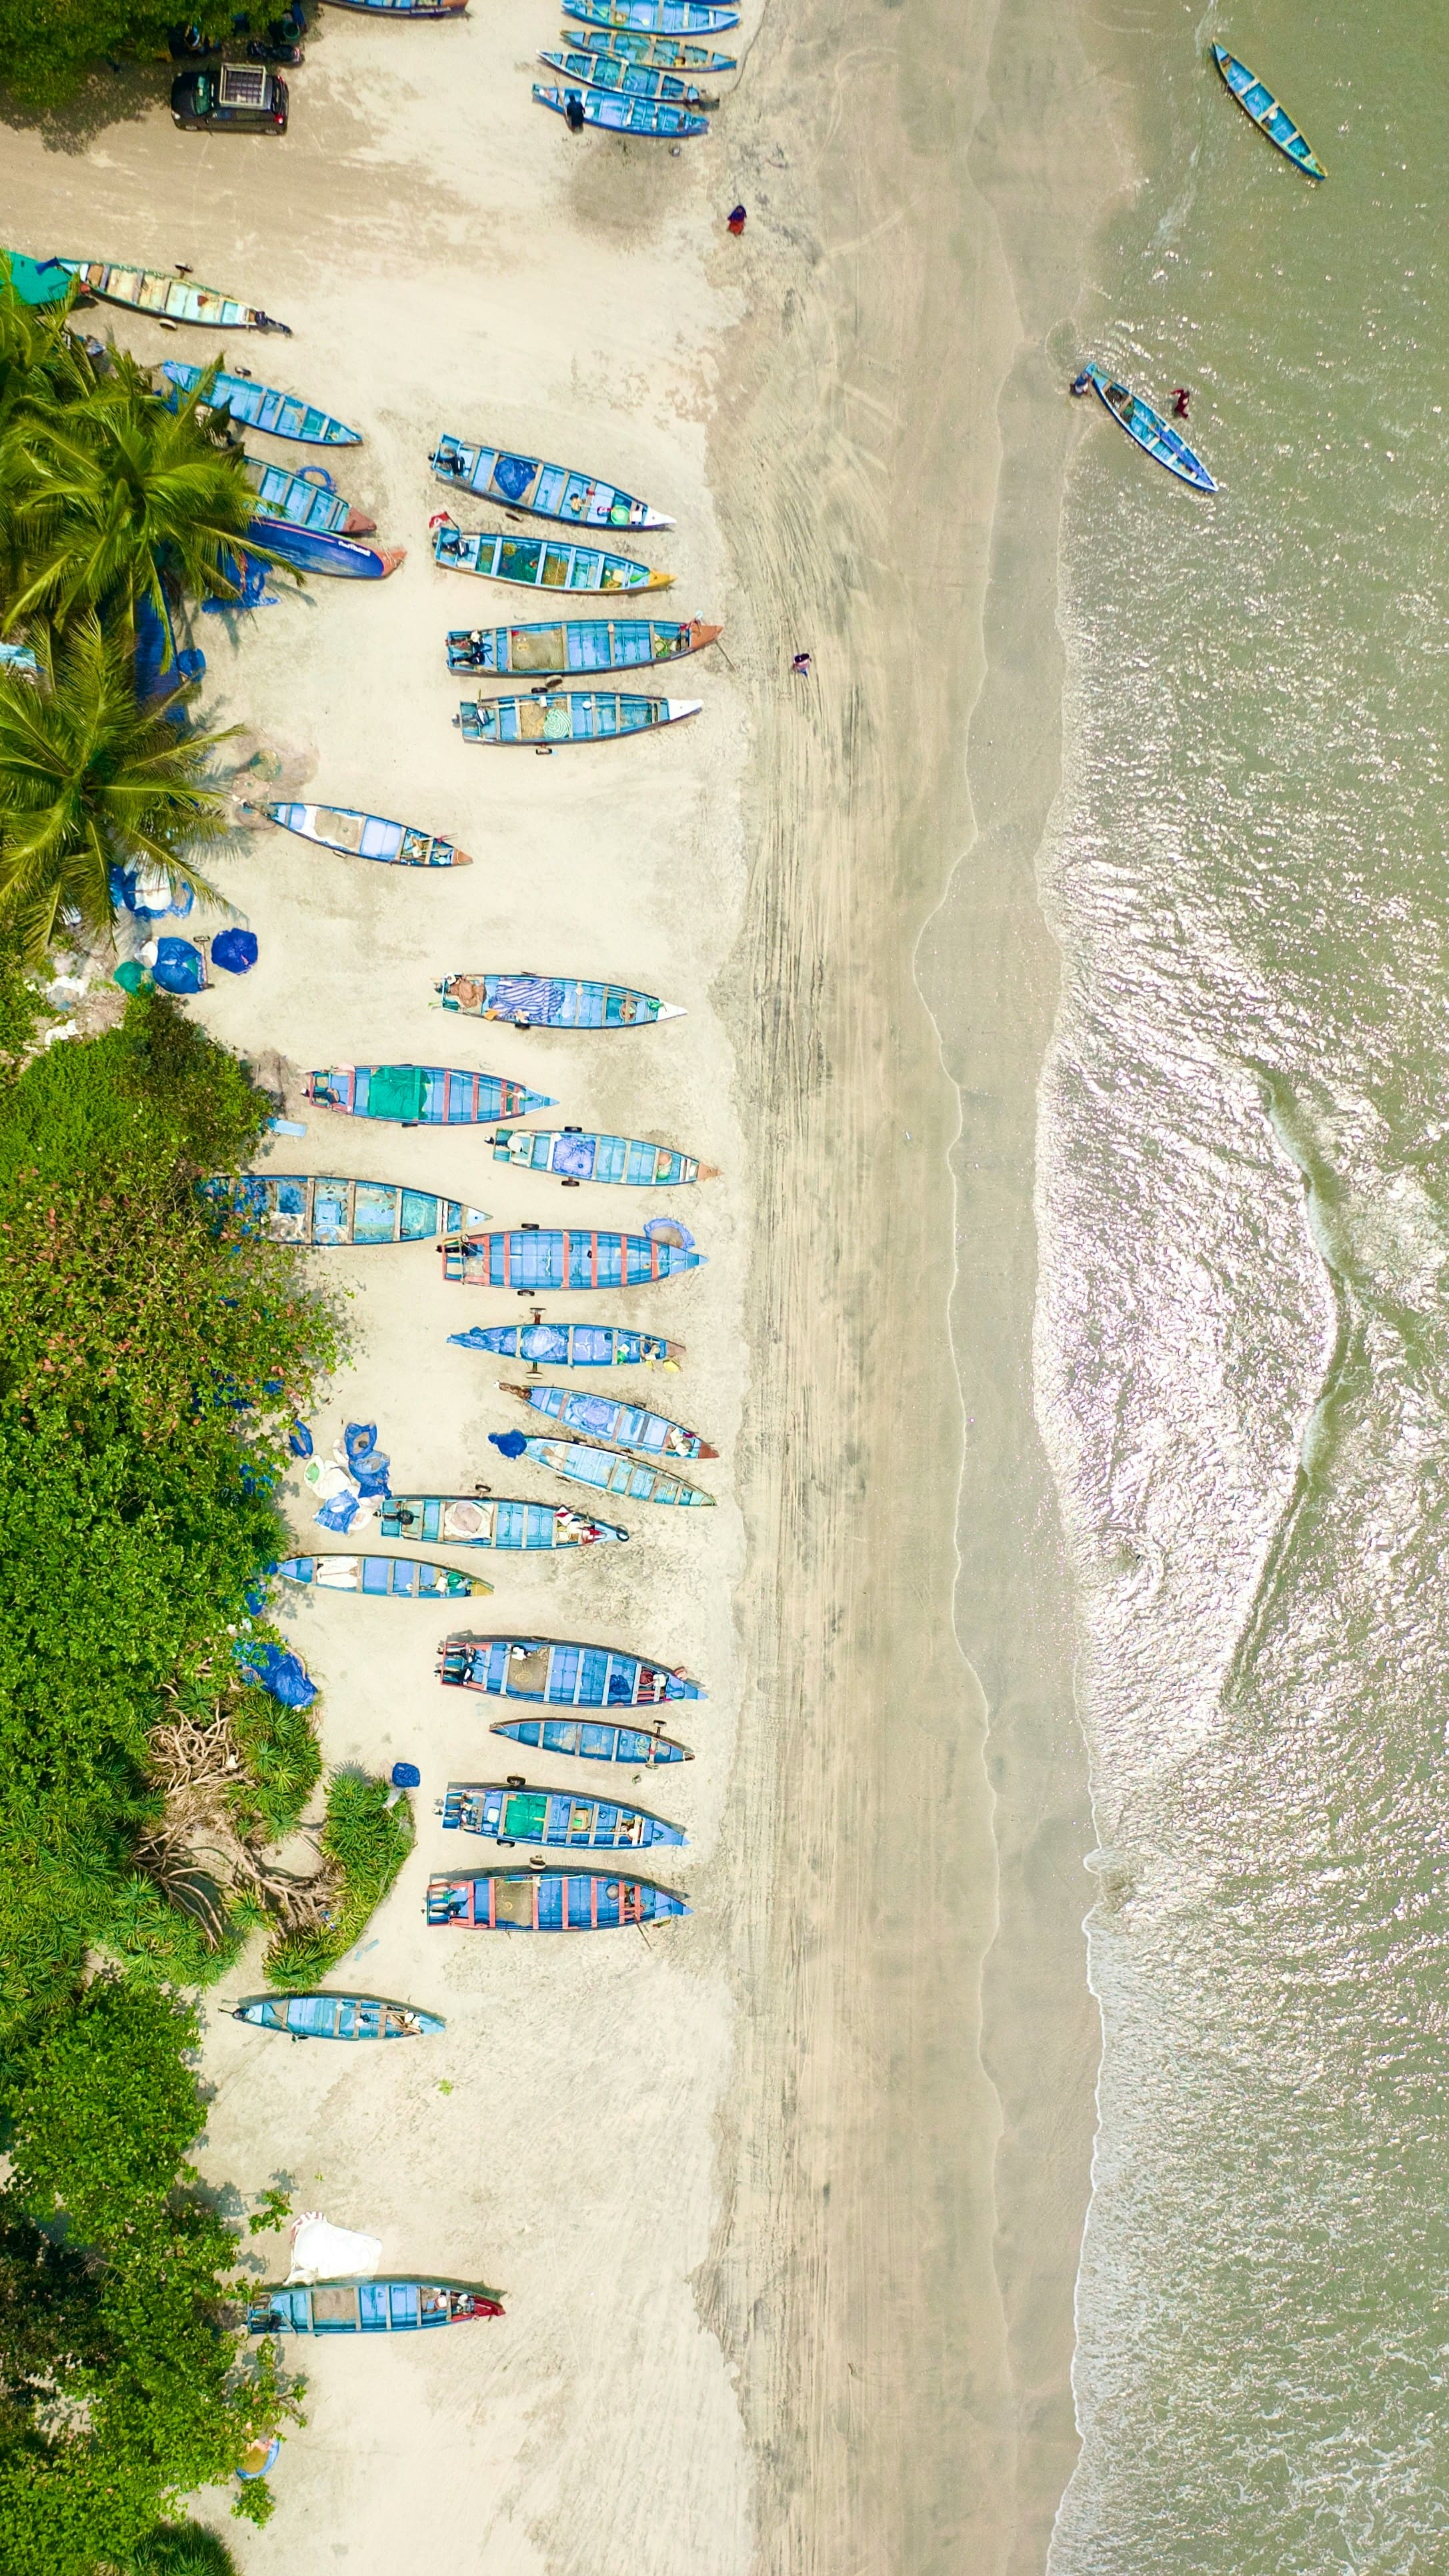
<point x="123" y="96"/>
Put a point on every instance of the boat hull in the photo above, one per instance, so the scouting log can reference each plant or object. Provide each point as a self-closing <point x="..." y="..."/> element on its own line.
<point x="1268" y="113"/>
<point x="554" y="1002"/>
<point x="573" y="1155"/>
<point x="326" y="1213"/>
<point x="171" y="298"/>
<point x="389" y="2304"/>
<point x="591" y="1739"/>
<point x="560" y="1675"/>
<point x="576" y="648"/>
<point x="355" y="835"/>
<point x="613" y="1471"/>
<point x="1148" y="430"/>
<point x="640" y="116"/>
<point x="421" y="1095"/>
<point x="541" y="490"/>
<point x="569" y="716"/>
<point x="304" y="498"/>
<point x="531" y="1259"/>
<point x="543" y="1345"/>
<point x="655" y="17"/>
<point x="312" y="550"/>
<point x="490" y="1520"/>
<point x="540" y="563"/>
<point x="626" y="80"/>
<point x="605" y="1417"/>
<point x="318" y="2015"/>
<point x="660" y="53"/>
<point x="554" y="1819"/>
<point x="262" y="407"/>
<point x="548" y="1900"/>
<point x="396" y="1578"/>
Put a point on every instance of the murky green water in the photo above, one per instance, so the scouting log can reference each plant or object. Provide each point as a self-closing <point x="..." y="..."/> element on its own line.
<point x="1244" y="1351"/>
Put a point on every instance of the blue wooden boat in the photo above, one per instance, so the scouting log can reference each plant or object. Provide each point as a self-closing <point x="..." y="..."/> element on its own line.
<point x="572" y="1345"/>
<point x="323" y="2016"/>
<point x="421" y="1095"/>
<point x="305" y="499"/>
<point x="655" y="17"/>
<point x="554" y="1002"/>
<point x="579" y="645"/>
<point x="261" y="407"/>
<point x="607" y="1417"/>
<point x="343" y="558"/>
<point x="575" y="1155"/>
<point x="165" y="292"/>
<point x="626" y="80"/>
<point x="592" y="1739"/>
<point x="530" y="1259"/>
<point x="1148" y="430"/>
<point x="391" y="2304"/>
<point x="613" y="1471"/>
<point x="569" y="715"/>
<point x="510" y="1812"/>
<point x="625" y="115"/>
<point x="1257" y="101"/>
<point x="548" y="1900"/>
<point x="365" y="836"/>
<point x="659" y="53"/>
<point x="489" y="1520"/>
<point x="403" y="8"/>
<point x="563" y="1676"/>
<point x="540" y="563"/>
<point x="298" y="1207"/>
<point x="544" y="491"/>
<point x="399" y="1578"/>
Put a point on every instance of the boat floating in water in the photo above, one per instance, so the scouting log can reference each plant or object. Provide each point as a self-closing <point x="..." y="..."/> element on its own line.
<point x="611" y="1471"/>
<point x="489" y="1520"/>
<point x="569" y="715"/>
<point x="655" y="17"/>
<point x="606" y="1417"/>
<point x="530" y="1259"/>
<point x="171" y="296"/>
<point x="1148" y="430"/>
<point x="511" y="1812"/>
<point x="387" y="2305"/>
<point x="626" y="80"/>
<point x="592" y="1739"/>
<point x="365" y="836"/>
<point x="565" y="1676"/>
<point x="262" y="407"/>
<point x="575" y="1155"/>
<point x="625" y="115"/>
<point x="554" y="1002"/>
<point x="576" y="646"/>
<point x="312" y="550"/>
<point x="544" y="1345"/>
<point x="305" y="499"/>
<point x="402" y="1578"/>
<point x="660" y="53"/>
<point x="540" y="563"/>
<point x="322" y="2016"/>
<point x="421" y="1095"/>
<point x="295" y="1207"/>
<point x="548" y="1900"/>
<point x="544" y="491"/>
<point x="1257" y="101"/>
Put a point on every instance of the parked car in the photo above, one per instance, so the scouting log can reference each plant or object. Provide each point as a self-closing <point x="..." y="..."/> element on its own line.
<point x="236" y="98"/>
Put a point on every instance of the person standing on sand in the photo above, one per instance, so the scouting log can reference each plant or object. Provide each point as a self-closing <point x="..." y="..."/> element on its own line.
<point x="735" y="221"/>
<point x="574" y="112"/>
<point x="800" y="667"/>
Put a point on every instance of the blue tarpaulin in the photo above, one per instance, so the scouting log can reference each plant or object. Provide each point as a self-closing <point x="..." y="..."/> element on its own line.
<point x="365" y="1460"/>
<point x="179" y="967"/>
<point x="299" y="1440"/>
<point x="512" y="1444"/>
<point x="284" y="1677"/>
<point x="235" y="950"/>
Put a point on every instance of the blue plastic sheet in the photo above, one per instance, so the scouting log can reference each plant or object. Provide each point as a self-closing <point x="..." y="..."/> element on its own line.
<point x="284" y="1677"/>
<point x="179" y="967"/>
<point x="235" y="951"/>
<point x="406" y="1775"/>
<point x="511" y="1444"/>
<point x="299" y="1440"/>
<point x="339" y="1514"/>
<point x="365" y="1460"/>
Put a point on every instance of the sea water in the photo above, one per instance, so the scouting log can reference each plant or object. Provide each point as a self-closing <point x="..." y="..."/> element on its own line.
<point x="1243" y="1353"/>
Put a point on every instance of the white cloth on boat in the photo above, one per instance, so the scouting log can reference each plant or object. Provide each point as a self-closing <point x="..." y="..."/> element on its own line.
<point x="322" y="2252"/>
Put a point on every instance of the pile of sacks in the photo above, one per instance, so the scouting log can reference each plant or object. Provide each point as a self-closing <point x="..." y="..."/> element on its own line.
<point x="354" y="1484"/>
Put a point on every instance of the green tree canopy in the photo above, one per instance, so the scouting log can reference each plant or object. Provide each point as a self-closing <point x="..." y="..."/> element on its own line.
<point x="52" y="47"/>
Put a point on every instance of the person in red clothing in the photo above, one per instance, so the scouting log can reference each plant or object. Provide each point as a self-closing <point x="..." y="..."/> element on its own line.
<point x="735" y="221"/>
<point x="1181" y="397"/>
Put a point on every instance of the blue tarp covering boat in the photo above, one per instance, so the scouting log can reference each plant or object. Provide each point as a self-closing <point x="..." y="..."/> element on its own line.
<point x="421" y="1095"/>
<point x="261" y="407"/>
<point x="544" y="491"/>
<point x="575" y="646"/>
<point x="554" y="1002"/>
<point x="607" y="1417"/>
<point x="591" y="1739"/>
<point x="548" y="1900"/>
<point x="490" y="1520"/>
<point x="323" y="2016"/>
<point x="296" y="1207"/>
<point x="1148" y="430"/>
<point x="625" y="115"/>
<point x="1257" y="101"/>
<point x="564" y="1676"/>
<point x="530" y="1259"/>
<point x="507" y="1814"/>
<point x="386" y="2305"/>
<point x="572" y="1345"/>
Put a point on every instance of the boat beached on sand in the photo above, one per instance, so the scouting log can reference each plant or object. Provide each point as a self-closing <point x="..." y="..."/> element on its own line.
<point x="403" y="8"/>
<point x="305" y="498"/>
<point x="489" y="1520"/>
<point x="298" y="1207"/>
<point x="543" y="491"/>
<point x="530" y="1001"/>
<point x="655" y="17"/>
<point x="262" y="407"/>
<point x="627" y="80"/>
<point x="400" y="1578"/>
<point x="365" y="836"/>
<point x="625" y="115"/>
<point x="389" y="2304"/>
<point x="1257" y="102"/>
<point x="611" y="1471"/>
<point x="1148" y="430"/>
<point x="530" y="1259"/>
<point x="592" y="1739"/>
<point x="658" y="53"/>
<point x="572" y="1345"/>
<point x="576" y="646"/>
<point x="569" y="715"/>
<point x="173" y="297"/>
<point x="548" y="1900"/>
<point x="574" y="1156"/>
<point x="421" y="1095"/>
<point x="563" y="1676"/>
<point x="314" y="550"/>
<point x="315" y="2015"/>
<point x="540" y="563"/>
<point x="607" y="1417"/>
<point x="511" y="1812"/>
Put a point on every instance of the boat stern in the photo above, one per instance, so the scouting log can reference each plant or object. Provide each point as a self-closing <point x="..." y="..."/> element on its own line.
<point x="675" y="712"/>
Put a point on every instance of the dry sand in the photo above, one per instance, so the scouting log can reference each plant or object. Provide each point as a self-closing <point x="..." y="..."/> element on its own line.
<point x="787" y="2235"/>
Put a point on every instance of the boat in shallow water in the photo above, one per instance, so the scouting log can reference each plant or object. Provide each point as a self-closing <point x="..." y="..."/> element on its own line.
<point x="390" y="2304"/>
<point x="296" y="1207"/>
<point x="173" y="297"/>
<point x="626" y="80"/>
<point x="489" y="1520"/>
<point x="607" y="1417"/>
<point x="304" y="498"/>
<point x="544" y="491"/>
<point x="540" y="563"/>
<point x="365" y="836"/>
<point x="575" y="647"/>
<point x="655" y="17"/>
<point x="592" y="1739"/>
<point x="554" y="1002"/>
<point x="398" y="1578"/>
<point x="325" y="2016"/>
<point x="645" y="116"/>
<point x="610" y="1471"/>
<point x="1148" y="430"/>
<point x="574" y="1155"/>
<point x="660" y="53"/>
<point x="421" y="1095"/>
<point x="564" y="1676"/>
<point x="544" y="1345"/>
<point x="1271" y="118"/>
<point x="262" y="407"/>
<point x="569" y="715"/>
<point x="510" y="1812"/>
<point x="548" y="1900"/>
<point x="530" y="1259"/>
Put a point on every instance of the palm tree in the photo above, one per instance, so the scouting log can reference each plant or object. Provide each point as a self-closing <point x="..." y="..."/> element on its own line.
<point x="89" y="781"/>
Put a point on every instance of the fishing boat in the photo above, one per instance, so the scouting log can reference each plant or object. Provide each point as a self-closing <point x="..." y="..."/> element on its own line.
<point x="311" y="550"/>
<point x="605" y="1417"/>
<point x="323" y="2016"/>
<point x="627" y="80"/>
<point x="655" y="17"/>
<point x="625" y="115"/>
<point x="531" y="1259"/>
<point x="565" y="1676"/>
<point x="659" y="53"/>
<point x="510" y="1812"/>
<point x="548" y="1900"/>
<point x="572" y="1345"/>
<point x="365" y="836"/>
<point x="402" y="1578"/>
<point x="489" y="1520"/>
<point x="296" y="1207"/>
<point x="569" y="715"/>
<point x="1257" y="101"/>
<point x="173" y="297"/>
<point x="420" y="1095"/>
<point x="611" y="1471"/>
<point x="387" y="2305"/>
<point x="554" y="1002"/>
<point x="575" y="1155"/>
<point x="544" y="491"/>
<point x="592" y="1739"/>
<point x="403" y="8"/>
<point x="305" y="499"/>
<point x="1148" y="430"/>
<point x="262" y="407"/>
<point x="540" y="563"/>
<point x="575" y="646"/>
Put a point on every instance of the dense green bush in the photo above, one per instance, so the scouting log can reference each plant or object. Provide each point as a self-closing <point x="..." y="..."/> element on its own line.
<point x="53" y="46"/>
<point x="368" y="1833"/>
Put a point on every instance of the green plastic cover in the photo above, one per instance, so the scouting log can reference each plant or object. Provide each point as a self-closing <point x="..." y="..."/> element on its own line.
<point x="397" y="1091"/>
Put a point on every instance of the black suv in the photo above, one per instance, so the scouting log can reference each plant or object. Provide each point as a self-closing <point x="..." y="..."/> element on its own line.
<point x="236" y="98"/>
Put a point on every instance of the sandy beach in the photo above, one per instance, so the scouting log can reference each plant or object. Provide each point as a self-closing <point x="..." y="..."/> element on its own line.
<point x="785" y="2198"/>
